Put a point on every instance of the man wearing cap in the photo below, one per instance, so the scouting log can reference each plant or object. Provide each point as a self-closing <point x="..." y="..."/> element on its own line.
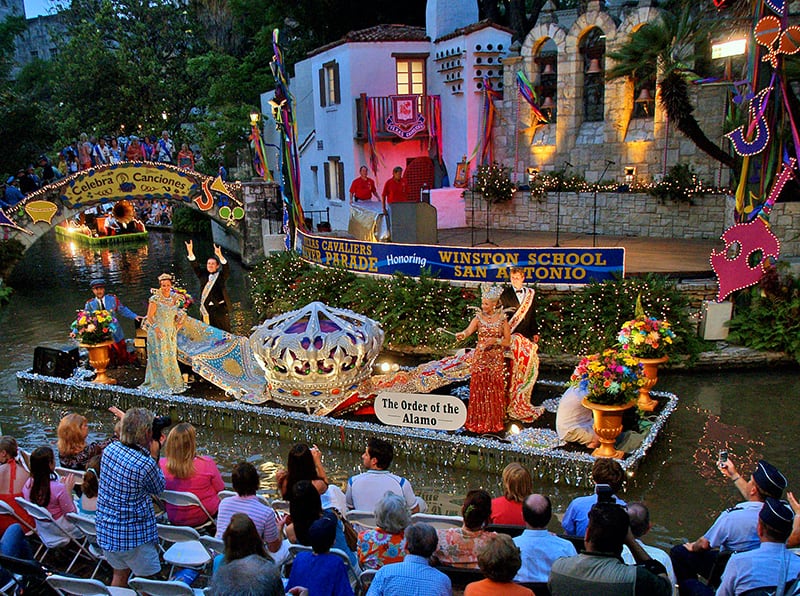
<point x="102" y="301"/>
<point x="771" y="564"/>
<point x="13" y="194"/>
<point x="735" y="529"/>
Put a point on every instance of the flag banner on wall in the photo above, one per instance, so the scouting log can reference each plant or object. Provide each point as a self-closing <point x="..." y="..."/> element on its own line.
<point x="405" y="120"/>
<point x="542" y="265"/>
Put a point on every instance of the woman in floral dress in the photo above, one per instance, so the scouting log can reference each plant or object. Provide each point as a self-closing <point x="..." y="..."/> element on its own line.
<point x="487" y="386"/>
<point x="165" y="315"/>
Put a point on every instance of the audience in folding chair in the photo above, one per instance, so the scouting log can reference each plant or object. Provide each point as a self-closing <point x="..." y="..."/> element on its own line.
<point x="13" y="477"/>
<point x="45" y="489"/>
<point x="242" y="541"/>
<point x="386" y="543"/>
<point x="87" y="505"/>
<point x="245" y="482"/>
<point x="321" y="571"/>
<point x="13" y="544"/>
<point x="185" y="471"/>
<point x="73" y="450"/>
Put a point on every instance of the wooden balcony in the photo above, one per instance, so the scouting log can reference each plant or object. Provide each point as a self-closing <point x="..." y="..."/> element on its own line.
<point x="381" y="108"/>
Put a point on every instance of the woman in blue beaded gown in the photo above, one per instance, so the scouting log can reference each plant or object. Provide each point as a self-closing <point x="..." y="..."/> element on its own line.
<point x="165" y="315"/>
<point x="487" y="385"/>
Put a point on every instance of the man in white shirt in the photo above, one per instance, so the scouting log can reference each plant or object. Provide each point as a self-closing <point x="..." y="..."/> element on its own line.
<point x="640" y="525"/>
<point x="574" y="422"/>
<point x="366" y="489"/>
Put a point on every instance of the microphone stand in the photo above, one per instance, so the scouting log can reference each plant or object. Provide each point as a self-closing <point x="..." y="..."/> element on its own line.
<point x="594" y="206"/>
<point x="558" y="200"/>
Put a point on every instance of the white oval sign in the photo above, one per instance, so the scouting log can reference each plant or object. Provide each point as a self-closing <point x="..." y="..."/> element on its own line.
<point x="421" y="410"/>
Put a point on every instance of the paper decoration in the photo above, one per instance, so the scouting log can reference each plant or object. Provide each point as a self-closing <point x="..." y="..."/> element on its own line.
<point x="769" y="32"/>
<point x="758" y="120"/>
<point x="41" y="211"/>
<point x="739" y="271"/>
<point x="231" y="215"/>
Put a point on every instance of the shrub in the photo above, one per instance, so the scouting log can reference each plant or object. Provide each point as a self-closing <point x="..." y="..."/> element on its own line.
<point x="190" y="221"/>
<point x="494" y="183"/>
<point x="10" y="253"/>
<point x="768" y="316"/>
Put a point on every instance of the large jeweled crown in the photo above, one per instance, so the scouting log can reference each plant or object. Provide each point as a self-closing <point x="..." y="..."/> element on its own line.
<point x="312" y="357"/>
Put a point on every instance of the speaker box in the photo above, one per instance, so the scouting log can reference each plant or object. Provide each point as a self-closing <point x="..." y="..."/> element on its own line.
<point x="55" y="362"/>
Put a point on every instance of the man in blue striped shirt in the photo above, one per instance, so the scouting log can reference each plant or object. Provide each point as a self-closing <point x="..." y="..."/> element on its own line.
<point x="126" y="522"/>
<point x="414" y="576"/>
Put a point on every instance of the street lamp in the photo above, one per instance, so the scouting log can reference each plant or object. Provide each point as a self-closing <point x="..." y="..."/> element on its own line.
<point x="728" y="49"/>
<point x="254" y="118"/>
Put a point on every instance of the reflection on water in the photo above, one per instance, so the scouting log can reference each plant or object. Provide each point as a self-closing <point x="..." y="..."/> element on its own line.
<point x="751" y="414"/>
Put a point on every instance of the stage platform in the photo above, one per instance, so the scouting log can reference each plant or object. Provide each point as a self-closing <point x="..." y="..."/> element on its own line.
<point x="536" y="448"/>
<point x="678" y="257"/>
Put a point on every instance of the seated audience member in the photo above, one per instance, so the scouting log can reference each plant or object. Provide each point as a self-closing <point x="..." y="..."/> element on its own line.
<point x="458" y="547"/>
<point x="13" y="543"/>
<point x="414" y="576"/>
<point x="599" y="570"/>
<point x="639" y="517"/>
<point x="734" y="530"/>
<point x="245" y="567"/>
<point x="771" y="564"/>
<point x="320" y="571"/>
<point x="304" y="463"/>
<point x="13" y="477"/>
<point x="185" y="471"/>
<point x="517" y="484"/>
<point x="245" y="482"/>
<point x="604" y="471"/>
<point x="305" y="507"/>
<point x="73" y="451"/>
<point x="366" y="489"/>
<point x="499" y="559"/>
<point x="539" y="547"/>
<point x="574" y="422"/>
<point x="45" y="489"/>
<point x="386" y="543"/>
<point x="87" y="505"/>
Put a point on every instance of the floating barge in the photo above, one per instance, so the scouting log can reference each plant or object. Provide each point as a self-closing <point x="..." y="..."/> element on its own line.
<point x="82" y="235"/>
<point x="536" y="450"/>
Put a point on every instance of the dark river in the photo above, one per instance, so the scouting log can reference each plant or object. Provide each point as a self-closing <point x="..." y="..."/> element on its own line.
<point x="751" y="413"/>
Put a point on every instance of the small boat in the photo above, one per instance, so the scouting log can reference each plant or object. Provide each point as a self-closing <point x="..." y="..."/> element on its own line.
<point x="93" y="229"/>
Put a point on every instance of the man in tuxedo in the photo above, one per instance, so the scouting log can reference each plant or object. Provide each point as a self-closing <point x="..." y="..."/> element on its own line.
<point x="214" y="301"/>
<point x="520" y="299"/>
<point x="517" y="301"/>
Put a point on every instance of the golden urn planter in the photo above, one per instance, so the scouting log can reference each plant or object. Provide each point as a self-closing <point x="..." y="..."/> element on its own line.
<point x="607" y="426"/>
<point x="99" y="359"/>
<point x="650" y="366"/>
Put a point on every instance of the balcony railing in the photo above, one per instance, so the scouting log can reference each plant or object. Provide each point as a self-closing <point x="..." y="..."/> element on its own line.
<point x="381" y="108"/>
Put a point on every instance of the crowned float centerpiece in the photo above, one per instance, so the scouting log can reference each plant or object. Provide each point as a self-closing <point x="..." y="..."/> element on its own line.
<point x="315" y="356"/>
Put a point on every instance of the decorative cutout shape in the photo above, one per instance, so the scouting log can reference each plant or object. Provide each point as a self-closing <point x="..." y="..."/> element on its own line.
<point x="41" y="211"/>
<point x="742" y="269"/>
<point x="737" y="136"/>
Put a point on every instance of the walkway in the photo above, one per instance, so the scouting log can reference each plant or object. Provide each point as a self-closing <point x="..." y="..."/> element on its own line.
<point x="677" y="256"/>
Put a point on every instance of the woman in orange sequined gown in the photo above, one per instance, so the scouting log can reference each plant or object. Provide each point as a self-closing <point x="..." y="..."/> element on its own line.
<point x="487" y="386"/>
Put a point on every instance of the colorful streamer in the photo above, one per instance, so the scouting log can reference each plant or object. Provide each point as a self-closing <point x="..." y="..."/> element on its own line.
<point x="527" y="91"/>
<point x="375" y="158"/>
<point x="260" y="159"/>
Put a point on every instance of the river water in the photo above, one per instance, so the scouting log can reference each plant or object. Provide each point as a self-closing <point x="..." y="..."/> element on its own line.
<point x="752" y="414"/>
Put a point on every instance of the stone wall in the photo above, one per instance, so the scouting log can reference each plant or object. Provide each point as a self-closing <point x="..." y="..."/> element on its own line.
<point x="256" y="195"/>
<point x="628" y="214"/>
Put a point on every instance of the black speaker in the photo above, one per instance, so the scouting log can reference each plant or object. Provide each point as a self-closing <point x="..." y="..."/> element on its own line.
<point x="54" y="362"/>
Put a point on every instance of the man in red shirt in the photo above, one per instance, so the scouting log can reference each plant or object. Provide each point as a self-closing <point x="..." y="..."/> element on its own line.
<point x="395" y="190"/>
<point x="363" y="187"/>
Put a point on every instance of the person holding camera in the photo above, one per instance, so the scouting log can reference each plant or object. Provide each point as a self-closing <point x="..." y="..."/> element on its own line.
<point x="126" y="522"/>
<point x="608" y="476"/>
<point x="736" y="529"/>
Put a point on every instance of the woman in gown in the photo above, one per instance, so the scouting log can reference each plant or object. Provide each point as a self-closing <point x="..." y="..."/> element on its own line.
<point x="487" y="386"/>
<point x="165" y="315"/>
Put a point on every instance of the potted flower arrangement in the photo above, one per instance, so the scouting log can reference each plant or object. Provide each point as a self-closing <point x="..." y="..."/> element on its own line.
<point x="93" y="330"/>
<point x="648" y="340"/>
<point x="611" y="381"/>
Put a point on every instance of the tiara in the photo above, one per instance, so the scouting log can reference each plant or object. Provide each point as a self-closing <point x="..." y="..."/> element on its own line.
<point x="164" y="276"/>
<point x="490" y="291"/>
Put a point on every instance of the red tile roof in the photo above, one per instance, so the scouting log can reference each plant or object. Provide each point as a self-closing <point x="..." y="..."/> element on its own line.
<point x="375" y="34"/>
<point x="474" y="27"/>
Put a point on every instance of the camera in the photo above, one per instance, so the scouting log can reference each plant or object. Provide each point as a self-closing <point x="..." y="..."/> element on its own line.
<point x="159" y="424"/>
<point x="723" y="457"/>
<point x="604" y="493"/>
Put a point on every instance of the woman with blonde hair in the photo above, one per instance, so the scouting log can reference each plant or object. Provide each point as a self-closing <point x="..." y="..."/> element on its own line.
<point x="185" y="471"/>
<point x="73" y="451"/>
<point x="517" y="485"/>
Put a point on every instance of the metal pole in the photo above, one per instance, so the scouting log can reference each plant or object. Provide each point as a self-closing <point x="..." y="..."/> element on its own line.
<point x="594" y="207"/>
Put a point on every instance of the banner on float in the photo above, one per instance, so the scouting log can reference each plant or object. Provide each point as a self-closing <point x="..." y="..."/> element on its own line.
<point x="542" y="265"/>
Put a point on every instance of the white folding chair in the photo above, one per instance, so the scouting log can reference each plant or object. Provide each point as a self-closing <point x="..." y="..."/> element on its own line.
<point x="78" y="474"/>
<point x="7" y="509"/>
<point x="365" y="579"/>
<point x="185" y="548"/>
<point x="214" y="546"/>
<point x="365" y="519"/>
<point x="51" y="534"/>
<point x="178" y="498"/>
<point x="440" y="522"/>
<point x="162" y="588"/>
<point x="352" y="572"/>
<point x="85" y="587"/>
<point x="88" y="526"/>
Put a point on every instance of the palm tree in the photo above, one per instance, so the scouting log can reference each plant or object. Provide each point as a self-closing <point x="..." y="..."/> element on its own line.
<point x="670" y="44"/>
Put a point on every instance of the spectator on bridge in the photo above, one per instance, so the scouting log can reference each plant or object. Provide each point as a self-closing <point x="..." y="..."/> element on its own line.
<point x="165" y="148"/>
<point x="13" y="194"/>
<point x="148" y="145"/>
<point x="115" y="154"/>
<point x="186" y="157"/>
<point x="84" y="152"/>
<point x="134" y="152"/>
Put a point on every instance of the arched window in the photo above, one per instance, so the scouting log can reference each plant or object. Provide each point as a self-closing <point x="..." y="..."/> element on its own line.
<point x="546" y="81"/>
<point x="593" y="50"/>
